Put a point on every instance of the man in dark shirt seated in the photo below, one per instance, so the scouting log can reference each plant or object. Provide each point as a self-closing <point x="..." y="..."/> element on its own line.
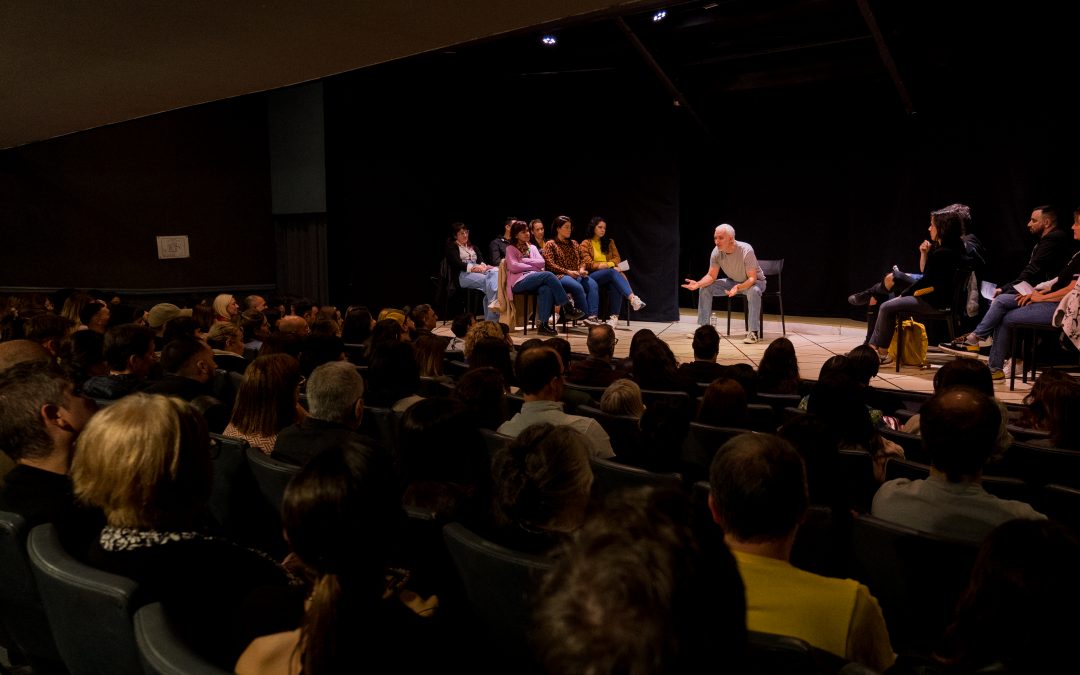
<point x="335" y="394"/>
<point x="600" y="369"/>
<point x="42" y="417"/>
<point x="704" y="367"/>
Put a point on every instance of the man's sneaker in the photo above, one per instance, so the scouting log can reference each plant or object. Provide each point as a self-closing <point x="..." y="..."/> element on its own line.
<point x="997" y="375"/>
<point x="572" y="314"/>
<point x="884" y="359"/>
<point x="861" y="298"/>
<point x="613" y="320"/>
<point x="593" y="320"/>
<point x="545" y="329"/>
<point x="637" y="303"/>
<point x="751" y="338"/>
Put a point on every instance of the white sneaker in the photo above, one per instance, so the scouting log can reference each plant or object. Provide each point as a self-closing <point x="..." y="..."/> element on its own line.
<point x="613" y="320"/>
<point x="494" y="305"/>
<point x="751" y="338"/>
<point x="637" y="303"/>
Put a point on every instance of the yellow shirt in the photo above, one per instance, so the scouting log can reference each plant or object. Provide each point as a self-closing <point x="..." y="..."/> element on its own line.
<point x="597" y="254"/>
<point x="837" y="615"/>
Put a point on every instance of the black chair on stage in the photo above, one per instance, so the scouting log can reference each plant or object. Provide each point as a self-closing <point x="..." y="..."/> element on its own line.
<point x="773" y="271"/>
<point x="952" y="314"/>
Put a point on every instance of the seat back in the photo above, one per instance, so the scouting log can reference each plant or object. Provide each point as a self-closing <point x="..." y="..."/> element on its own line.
<point x="701" y="443"/>
<point x="769" y="654"/>
<point x="595" y="392"/>
<point x="161" y="650"/>
<point x="499" y="584"/>
<point x="624" y="432"/>
<point x="1061" y="503"/>
<point x="493" y="440"/>
<point x="1039" y="466"/>
<point x="762" y="417"/>
<point x="773" y="270"/>
<point x="779" y="401"/>
<point x="610" y="477"/>
<point x="381" y="423"/>
<point x="271" y="475"/>
<point x="89" y="610"/>
<point x="911" y="443"/>
<point x="916" y="577"/>
<point x="21" y="611"/>
<point x="514" y="403"/>
<point x="856" y="469"/>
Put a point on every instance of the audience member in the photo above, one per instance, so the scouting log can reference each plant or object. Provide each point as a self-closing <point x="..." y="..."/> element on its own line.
<point x="460" y="328"/>
<point x="162" y="313"/>
<point x="479" y="330"/>
<point x="542" y="483"/>
<point x="959" y="430"/>
<point x="778" y="372"/>
<point x="357" y="327"/>
<point x="1009" y="619"/>
<point x="255" y="303"/>
<point x="82" y="356"/>
<point x="145" y="461"/>
<point x="392" y="377"/>
<point x="758" y="497"/>
<point x="189" y="367"/>
<point x="443" y="463"/>
<point x="430" y="352"/>
<point x="94" y="316"/>
<point x="21" y="351"/>
<point x="340" y="519"/>
<point x="181" y="327"/>
<point x="489" y="352"/>
<point x="256" y="328"/>
<point x="539" y="375"/>
<point x="706" y="345"/>
<point x="483" y="391"/>
<point x="623" y="397"/>
<point x="1062" y="401"/>
<point x="319" y="349"/>
<point x="227" y="341"/>
<point x="724" y="405"/>
<point x="42" y="419"/>
<point x="635" y="593"/>
<point x="49" y="331"/>
<point x="226" y="308"/>
<point x="335" y="395"/>
<point x="268" y="401"/>
<point x="599" y="369"/>
<point x="1035" y="416"/>
<point x="571" y="398"/>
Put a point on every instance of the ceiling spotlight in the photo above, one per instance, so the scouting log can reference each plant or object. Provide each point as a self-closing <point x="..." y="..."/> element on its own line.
<point x="659" y="16"/>
<point x="549" y="40"/>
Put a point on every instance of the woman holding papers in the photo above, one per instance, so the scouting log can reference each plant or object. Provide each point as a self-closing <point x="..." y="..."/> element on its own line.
<point x="601" y="258"/>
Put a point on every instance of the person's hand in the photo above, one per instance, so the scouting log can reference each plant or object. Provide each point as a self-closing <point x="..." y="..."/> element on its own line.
<point x="610" y="265"/>
<point x="924" y="247"/>
<point x="583" y="272"/>
<point x="573" y="274"/>
<point x="997" y="292"/>
<point x="733" y="291"/>
<point x="691" y="285"/>
<point x="1022" y="300"/>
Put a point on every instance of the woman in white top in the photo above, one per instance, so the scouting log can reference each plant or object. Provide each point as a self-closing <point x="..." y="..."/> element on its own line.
<point x="466" y="261"/>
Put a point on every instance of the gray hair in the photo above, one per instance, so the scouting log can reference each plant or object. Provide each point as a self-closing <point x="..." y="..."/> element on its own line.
<point x="724" y="227"/>
<point x="333" y="390"/>
<point x="24" y="389"/>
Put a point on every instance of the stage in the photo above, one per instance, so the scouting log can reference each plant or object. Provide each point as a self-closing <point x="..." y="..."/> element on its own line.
<point x="816" y="340"/>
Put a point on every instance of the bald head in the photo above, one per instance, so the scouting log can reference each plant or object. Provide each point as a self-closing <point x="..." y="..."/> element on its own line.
<point x="959" y="429"/>
<point x="21" y="351"/>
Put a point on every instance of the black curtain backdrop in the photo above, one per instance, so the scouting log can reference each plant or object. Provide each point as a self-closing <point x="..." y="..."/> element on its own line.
<point x="412" y="148"/>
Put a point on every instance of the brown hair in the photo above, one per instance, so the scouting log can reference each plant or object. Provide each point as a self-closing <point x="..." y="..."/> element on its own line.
<point x="266" y="402"/>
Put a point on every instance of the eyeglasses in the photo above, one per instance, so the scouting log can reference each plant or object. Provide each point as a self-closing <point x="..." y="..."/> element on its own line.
<point x="301" y="382"/>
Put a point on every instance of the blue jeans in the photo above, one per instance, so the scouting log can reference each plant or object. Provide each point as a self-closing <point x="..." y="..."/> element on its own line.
<point x="488" y="282"/>
<point x="886" y="317"/>
<point x="549" y="292"/>
<point x="617" y="287"/>
<point x="584" y="292"/>
<point x="722" y="286"/>
<point x="999" y="319"/>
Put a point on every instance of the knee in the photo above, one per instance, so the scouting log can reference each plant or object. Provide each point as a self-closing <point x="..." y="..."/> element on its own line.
<point x="754" y="291"/>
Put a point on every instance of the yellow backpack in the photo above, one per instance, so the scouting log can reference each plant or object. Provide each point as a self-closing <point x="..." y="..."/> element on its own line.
<point x="915" y="344"/>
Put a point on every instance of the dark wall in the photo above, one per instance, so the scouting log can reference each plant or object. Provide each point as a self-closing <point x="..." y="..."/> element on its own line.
<point x="412" y="148"/>
<point x="84" y="210"/>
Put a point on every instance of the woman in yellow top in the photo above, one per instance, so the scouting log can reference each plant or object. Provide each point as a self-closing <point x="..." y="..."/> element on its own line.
<point x="601" y="257"/>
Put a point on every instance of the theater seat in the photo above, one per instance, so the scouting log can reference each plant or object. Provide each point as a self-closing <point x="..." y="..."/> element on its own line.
<point x="271" y="475"/>
<point x="161" y="650"/>
<point x="89" y="610"/>
<point x="21" y="610"/>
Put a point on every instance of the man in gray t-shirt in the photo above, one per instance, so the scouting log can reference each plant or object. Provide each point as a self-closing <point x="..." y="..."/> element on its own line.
<point x="742" y="276"/>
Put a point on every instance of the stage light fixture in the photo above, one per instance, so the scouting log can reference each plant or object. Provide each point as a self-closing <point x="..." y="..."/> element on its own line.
<point x="659" y="16"/>
<point x="549" y="40"/>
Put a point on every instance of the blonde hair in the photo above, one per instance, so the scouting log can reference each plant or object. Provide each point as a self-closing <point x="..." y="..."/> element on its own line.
<point x="221" y="304"/>
<point x="145" y="462"/>
<point x="478" y="331"/>
<point x="623" y="397"/>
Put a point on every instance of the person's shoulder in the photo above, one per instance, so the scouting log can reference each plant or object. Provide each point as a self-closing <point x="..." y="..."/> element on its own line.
<point x="275" y="653"/>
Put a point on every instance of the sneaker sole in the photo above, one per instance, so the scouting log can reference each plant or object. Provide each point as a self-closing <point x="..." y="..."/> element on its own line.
<point x="956" y="351"/>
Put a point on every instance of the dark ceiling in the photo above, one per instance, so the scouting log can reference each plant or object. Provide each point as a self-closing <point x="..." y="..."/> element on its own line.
<point x="74" y="66"/>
